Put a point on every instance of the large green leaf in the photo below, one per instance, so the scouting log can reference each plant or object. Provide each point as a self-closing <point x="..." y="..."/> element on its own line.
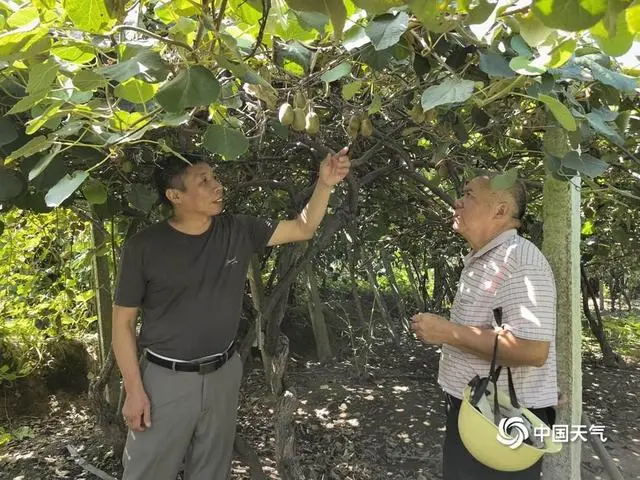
<point x="148" y="65"/>
<point x="599" y="123"/>
<point x="228" y="142"/>
<point x="376" y="7"/>
<point x="8" y="132"/>
<point x="88" y="81"/>
<point x="195" y="86"/>
<point x="335" y="9"/>
<point x="350" y="90"/>
<point x="44" y="162"/>
<point x="385" y="31"/>
<point x="142" y="197"/>
<point x="562" y="53"/>
<point x="495" y="65"/>
<point x="78" y="53"/>
<point x="35" y="145"/>
<point x="65" y="188"/>
<point x="94" y="191"/>
<point x="608" y="77"/>
<point x="434" y="14"/>
<point x="452" y="90"/>
<point x="292" y="51"/>
<point x="89" y="15"/>
<point x="170" y="11"/>
<point x="33" y="125"/>
<point x="559" y="111"/>
<point x="632" y="14"/>
<point x="525" y="66"/>
<point x="584" y="163"/>
<point x="135" y="91"/>
<point x="570" y="15"/>
<point x="12" y="184"/>
<point x="336" y="73"/>
<point x="617" y="43"/>
<point x="533" y="30"/>
<point x="41" y="75"/>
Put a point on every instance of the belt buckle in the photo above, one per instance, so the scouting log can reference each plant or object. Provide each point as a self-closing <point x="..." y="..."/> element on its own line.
<point x="210" y="366"/>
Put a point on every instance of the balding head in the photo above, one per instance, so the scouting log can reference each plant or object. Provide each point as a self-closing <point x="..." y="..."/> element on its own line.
<point x="483" y="213"/>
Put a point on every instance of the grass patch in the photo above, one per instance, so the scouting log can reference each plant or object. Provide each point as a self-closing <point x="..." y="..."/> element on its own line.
<point x="623" y="331"/>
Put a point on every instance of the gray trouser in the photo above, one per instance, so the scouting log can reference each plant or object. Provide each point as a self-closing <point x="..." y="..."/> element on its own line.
<point x="193" y="418"/>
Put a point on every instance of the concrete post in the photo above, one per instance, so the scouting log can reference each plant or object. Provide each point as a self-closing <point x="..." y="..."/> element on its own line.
<point x="561" y="245"/>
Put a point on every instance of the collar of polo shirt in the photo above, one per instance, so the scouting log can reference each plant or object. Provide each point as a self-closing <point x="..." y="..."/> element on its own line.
<point x="499" y="240"/>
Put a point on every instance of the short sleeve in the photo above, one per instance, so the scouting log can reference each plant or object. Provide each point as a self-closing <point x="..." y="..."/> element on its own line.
<point x="528" y="301"/>
<point x="258" y="231"/>
<point x="130" y="287"/>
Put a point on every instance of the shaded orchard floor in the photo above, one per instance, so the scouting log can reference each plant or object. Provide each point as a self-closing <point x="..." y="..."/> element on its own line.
<point x="386" y="424"/>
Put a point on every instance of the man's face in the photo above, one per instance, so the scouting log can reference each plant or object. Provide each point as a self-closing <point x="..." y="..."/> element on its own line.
<point x="202" y="193"/>
<point x="474" y="211"/>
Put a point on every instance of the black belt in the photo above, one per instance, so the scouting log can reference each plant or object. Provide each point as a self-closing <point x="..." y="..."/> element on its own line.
<point x="207" y="366"/>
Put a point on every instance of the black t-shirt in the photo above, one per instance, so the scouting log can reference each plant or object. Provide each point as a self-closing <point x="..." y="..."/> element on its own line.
<point x="190" y="287"/>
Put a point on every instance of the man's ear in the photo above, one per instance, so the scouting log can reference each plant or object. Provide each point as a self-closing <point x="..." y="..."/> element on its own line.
<point x="502" y="210"/>
<point x="173" y="194"/>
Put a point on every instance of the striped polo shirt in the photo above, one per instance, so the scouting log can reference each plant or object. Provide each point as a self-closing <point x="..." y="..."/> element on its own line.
<point x="512" y="273"/>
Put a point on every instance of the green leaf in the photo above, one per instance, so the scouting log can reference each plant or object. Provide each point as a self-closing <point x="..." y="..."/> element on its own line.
<point x="632" y="13"/>
<point x="504" y="181"/>
<point x="75" y="53"/>
<point x="335" y="9"/>
<point x="587" y="228"/>
<point x="170" y="11"/>
<point x="23" y="17"/>
<point x="122" y="121"/>
<point x="1" y="232"/>
<point x="313" y="20"/>
<point x="14" y="41"/>
<point x="65" y="188"/>
<point x="495" y="65"/>
<point x="94" y="191"/>
<point x="562" y="53"/>
<point x="378" y="60"/>
<point x="148" y="65"/>
<point x="559" y="111"/>
<point x="293" y="51"/>
<point x="533" y="30"/>
<point x="434" y="14"/>
<point x="142" y="197"/>
<point x="28" y="102"/>
<point x="525" y="66"/>
<point x="376" y="7"/>
<point x="584" y="163"/>
<point x="88" y="81"/>
<point x="34" y="145"/>
<point x="350" y="90"/>
<point x="89" y="15"/>
<point x="598" y="122"/>
<point x="616" y="44"/>
<point x="41" y="75"/>
<point x="520" y="46"/>
<point x="44" y="162"/>
<point x="376" y="105"/>
<point x="12" y="184"/>
<point x="195" y="86"/>
<point x="8" y="132"/>
<point x="608" y="77"/>
<point x="135" y="91"/>
<point x="229" y="143"/>
<point x="33" y="125"/>
<point x="355" y="37"/>
<point x="450" y="91"/>
<point x="570" y="15"/>
<point x="336" y="73"/>
<point x="385" y="31"/>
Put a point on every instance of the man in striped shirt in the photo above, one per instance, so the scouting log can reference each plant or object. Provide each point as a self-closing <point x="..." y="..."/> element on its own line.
<point x="502" y="270"/>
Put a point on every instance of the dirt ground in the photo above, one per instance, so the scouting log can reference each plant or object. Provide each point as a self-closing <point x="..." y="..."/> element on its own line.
<point x="387" y="424"/>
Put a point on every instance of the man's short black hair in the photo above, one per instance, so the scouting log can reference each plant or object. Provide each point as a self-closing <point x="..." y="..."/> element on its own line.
<point x="169" y="173"/>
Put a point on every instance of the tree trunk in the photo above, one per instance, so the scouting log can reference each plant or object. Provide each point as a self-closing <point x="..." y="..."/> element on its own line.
<point x="102" y="286"/>
<point x="320" y="332"/>
<point x="286" y="455"/>
<point x="415" y="289"/>
<point x="609" y="357"/>
<point x="248" y="455"/>
<point x="439" y="285"/>
<point x="601" y="294"/>
<point x="396" y="293"/>
<point x="384" y="313"/>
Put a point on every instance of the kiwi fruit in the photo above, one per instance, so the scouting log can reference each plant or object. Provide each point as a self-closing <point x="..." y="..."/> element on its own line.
<point x="285" y="114"/>
<point x="366" y="128"/>
<point x="299" y="100"/>
<point x="354" y="126"/>
<point x="312" y="123"/>
<point x="298" y="119"/>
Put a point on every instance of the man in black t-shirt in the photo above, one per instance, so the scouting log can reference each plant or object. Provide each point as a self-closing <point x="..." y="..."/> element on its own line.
<point x="187" y="275"/>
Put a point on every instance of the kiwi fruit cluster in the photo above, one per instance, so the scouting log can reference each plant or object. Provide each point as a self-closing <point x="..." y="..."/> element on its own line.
<point x="301" y="116"/>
